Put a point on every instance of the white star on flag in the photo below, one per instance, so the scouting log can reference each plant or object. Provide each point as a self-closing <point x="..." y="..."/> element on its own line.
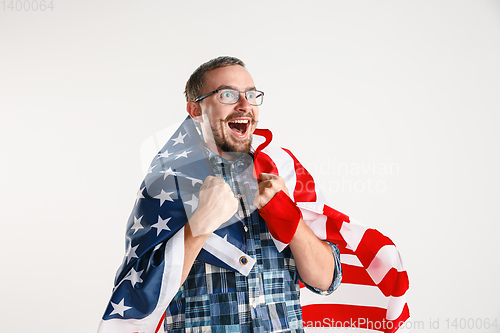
<point x="137" y="224"/>
<point x="161" y="225"/>
<point x="165" y="154"/>
<point x="193" y="203"/>
<point x="194" y="181"/>
<point x="139" y="195"/>
<point x="179" y="139"/>
<point x="150" y="170"/>
<point x="163" y="196"/>
<point x="183" y="154"/>
<point x="131" y="253"/>
<point x="134" y="277"/>
<point x="119" y="308"/>
<point x="168" y="173"/>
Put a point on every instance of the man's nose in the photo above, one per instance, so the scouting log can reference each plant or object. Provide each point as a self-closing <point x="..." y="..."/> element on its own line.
<point x="243" y="102"/>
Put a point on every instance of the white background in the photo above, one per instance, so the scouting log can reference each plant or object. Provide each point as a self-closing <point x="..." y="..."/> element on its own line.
<point x="393" y="105"/>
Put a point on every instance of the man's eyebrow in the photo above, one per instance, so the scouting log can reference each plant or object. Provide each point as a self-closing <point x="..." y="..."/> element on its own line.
<point x="233" y="87"/>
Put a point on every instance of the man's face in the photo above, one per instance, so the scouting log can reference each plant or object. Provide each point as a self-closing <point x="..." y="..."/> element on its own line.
<point x="231" y="125"/>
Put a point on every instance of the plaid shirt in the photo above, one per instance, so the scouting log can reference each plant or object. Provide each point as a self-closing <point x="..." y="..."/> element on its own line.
<point x="214" y="299"/>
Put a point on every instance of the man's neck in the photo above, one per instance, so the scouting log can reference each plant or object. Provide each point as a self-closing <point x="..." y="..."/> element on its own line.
<point x="228" y="156"/>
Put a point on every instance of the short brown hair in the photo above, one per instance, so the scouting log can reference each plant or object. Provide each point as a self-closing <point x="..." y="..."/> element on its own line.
<point x="194" y="85"/>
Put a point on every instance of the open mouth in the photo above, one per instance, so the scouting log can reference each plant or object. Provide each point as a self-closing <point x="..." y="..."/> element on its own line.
<point x="239" y="127"/>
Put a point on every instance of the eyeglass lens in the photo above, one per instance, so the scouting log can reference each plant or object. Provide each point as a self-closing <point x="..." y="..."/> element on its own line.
<point x="231" y="96"/>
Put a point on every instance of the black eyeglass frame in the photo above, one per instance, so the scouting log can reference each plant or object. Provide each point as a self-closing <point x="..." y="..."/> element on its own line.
<point x="245" y="92"/>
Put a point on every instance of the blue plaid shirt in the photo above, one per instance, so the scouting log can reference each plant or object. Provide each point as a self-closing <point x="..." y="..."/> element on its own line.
<point x="214" y="299"/>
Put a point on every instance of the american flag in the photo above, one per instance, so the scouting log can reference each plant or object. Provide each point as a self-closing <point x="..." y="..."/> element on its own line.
<point x="374" y="281"/>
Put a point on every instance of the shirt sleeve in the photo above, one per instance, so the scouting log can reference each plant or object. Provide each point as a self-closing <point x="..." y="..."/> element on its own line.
<point x="337" y="275"/>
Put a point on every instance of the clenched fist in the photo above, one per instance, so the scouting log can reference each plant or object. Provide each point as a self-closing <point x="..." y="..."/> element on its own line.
<point x="281" y="214"/>
<point x="269" y="185"/>
<point x="216" y="205"/>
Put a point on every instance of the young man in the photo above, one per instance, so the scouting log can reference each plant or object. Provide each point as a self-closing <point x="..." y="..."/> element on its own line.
<point x="216" y="242"/>
<point x="226" y="108"/>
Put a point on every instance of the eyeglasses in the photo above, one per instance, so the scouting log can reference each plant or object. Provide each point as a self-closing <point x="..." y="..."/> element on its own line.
<point x="231" y="96"/>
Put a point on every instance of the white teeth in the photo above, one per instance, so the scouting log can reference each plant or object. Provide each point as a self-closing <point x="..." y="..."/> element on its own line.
<point x="240" y="121"/>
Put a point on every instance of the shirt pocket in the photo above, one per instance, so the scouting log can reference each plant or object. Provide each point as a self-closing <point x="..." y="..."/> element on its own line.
<point x="274" y="286"/>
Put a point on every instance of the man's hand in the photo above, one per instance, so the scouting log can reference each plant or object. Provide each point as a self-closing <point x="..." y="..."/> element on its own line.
<point x="275" y="206"/>
<point x="216" y="205"/>
<point x="268" y="187"/>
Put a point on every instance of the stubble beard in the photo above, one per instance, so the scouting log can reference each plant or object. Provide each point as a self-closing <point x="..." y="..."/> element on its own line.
<point x="223" y="139"/>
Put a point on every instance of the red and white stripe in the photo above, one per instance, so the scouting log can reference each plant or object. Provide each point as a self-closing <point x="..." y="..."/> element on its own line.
<point x="372" y="295"/>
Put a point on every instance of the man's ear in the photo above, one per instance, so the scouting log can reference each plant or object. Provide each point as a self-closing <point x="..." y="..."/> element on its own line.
<point x="194" y="110"/>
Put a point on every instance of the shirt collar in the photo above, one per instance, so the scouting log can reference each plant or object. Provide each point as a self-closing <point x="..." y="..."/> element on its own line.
<point x="241" y="163"/>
